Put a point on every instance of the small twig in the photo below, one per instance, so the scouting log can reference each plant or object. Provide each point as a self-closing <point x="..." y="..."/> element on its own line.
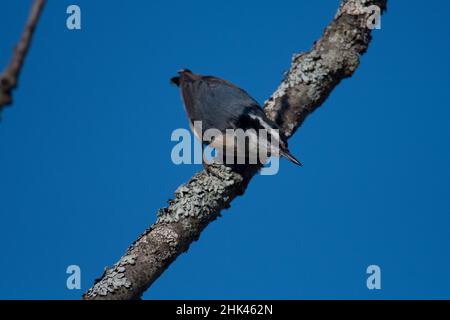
<point x="9" y="78"/>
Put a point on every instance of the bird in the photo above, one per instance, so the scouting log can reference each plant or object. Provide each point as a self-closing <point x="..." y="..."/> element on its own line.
<point x="221" y="105"/>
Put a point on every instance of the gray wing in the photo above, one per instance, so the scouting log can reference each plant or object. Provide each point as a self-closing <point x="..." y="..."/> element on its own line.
<point x="218" y="103"/>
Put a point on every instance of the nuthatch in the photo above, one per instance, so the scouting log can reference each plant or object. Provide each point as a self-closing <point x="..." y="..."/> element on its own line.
<point x="220" y="105"/>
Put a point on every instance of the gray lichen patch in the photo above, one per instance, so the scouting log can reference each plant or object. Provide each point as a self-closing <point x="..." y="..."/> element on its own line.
<point x="167" y="235"/>
<point x="203" y="195"/>
<point x="314" y="74"/>
<point x="310" y="71"/>
<point x="305" y="68"/>
<point x="360" y="8"/>
<point x="302" y="87"/>
<point x="353" y="7"/>
<point x="113" y="279"/>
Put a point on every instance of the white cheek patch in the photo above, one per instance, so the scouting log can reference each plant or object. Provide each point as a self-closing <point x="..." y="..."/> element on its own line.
<point x="271" y="131"/>
<point x="274" y="143"/>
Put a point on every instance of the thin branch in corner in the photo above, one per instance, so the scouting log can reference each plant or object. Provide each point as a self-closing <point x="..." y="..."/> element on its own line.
<point x="10" y="77"/>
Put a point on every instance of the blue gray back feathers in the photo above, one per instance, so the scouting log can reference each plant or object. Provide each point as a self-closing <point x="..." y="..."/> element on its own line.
<point x="221" y="105"/>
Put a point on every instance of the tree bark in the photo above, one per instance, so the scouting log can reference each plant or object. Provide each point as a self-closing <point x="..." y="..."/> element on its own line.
<point x="310" y="80"/>
<point x="10" y="77"/>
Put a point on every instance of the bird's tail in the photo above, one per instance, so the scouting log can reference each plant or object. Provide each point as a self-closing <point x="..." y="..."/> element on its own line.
<point x="175" y="81"/>
<point x="290" y="157"/>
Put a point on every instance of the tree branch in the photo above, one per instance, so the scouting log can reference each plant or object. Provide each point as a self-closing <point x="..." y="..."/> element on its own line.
<point x="10" y="77"/>
<point x="310" y="80"/>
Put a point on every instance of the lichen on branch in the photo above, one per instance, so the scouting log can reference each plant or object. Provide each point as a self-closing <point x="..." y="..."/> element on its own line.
<point x="312" y="77"/>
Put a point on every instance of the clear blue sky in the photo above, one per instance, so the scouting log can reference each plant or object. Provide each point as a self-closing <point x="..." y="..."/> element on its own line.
<point x="85" y="152"/>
